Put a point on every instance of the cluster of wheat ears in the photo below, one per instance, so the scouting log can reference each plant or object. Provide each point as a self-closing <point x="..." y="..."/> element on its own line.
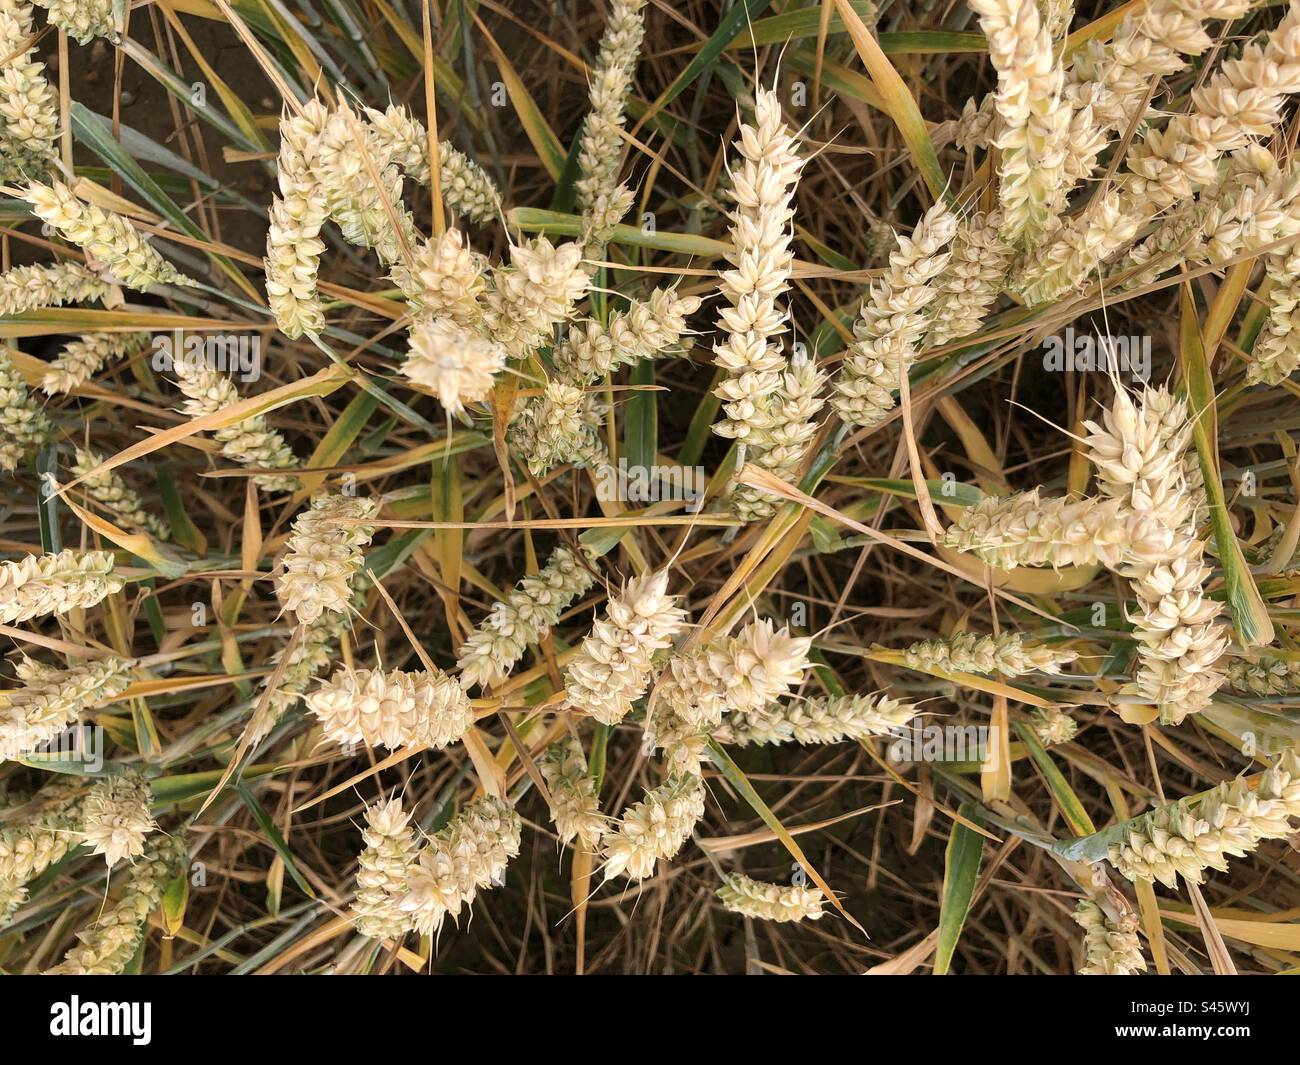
<point x="447" y="376"/>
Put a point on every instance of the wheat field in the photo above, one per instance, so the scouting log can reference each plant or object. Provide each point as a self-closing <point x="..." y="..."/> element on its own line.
<point x="636" y="487"/>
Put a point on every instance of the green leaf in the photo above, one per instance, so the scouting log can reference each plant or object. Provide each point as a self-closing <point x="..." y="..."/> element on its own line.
<point x="641" y="419"/>
<point x="552" y="223"/>
<point x="1066" y="799"/>
<point x="961" y="866"/>
<point x="273" y="836"/>
<point x="1249" y="614"/>
<point x="734" y="22"/>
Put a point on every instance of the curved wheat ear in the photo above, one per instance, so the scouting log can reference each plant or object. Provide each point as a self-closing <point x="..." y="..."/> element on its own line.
<point x="761" y="259"/>
<point x="1268" y="676"/>
<point x="29" y="111"/>
<point x="115" y="817"/>
<point x="1034" y="123"/>
<point x="323" y="554"/>
<point x="466" y="188"/>
<point x="293" y="242"/>
<point x="385" y="870"/>
<point x="395" y="709"/>
<point x="648" y="329"/>
<point x="613" y="663"/>
<point x="1241" y="102"/>
<point x="818" y="721"/>
<point x="1142" y="457"/>
<point x="1052" y="725"/>
<point x="312" y="655"/>
<point x="522" y="619"/>
<point x="970" y="284"/>
<point x="53" y="699"/>
<point x="1110" y="948"/>
<point x="575" y="806"/>
<point x="110" y="941"/>
<point x="1008" y="654"/>
<point x="54" y="584"/>
<point x="654" y="828"/>
<point x="782" y="903"/>
<point x="1187" y="837"/>
<point x="108" y="238"/>
<point x="891" y="322"/>
<point x="1026" y="530"/>
<point x="80" y="360"/>
<point x="36" y="838"/>
<point x="1276" y="353"/>
<point x="30" y="288"/>
<point x="22" y="422"/>
<point x="248" y="443"/>
<point x="602" y="200"/>
<point x="560" y="426"/>
<point x="113" y="492"/>
<point x="82" y="20"/>
<point x="467" y="191"/>
<point x="469" y="854"/>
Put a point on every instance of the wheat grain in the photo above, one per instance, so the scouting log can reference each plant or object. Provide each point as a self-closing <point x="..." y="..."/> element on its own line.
<point x="445" y="279"/>
<point x="654" y="828"/>
<point x="648" y="329"/>
<point x="115" y="817"/>
<point x="1052" y="725"/>
<point x="602" y="200"/>
<point x="23" y="424"/>
<point x="115" y="936"/>
<point x="299" y="209"/>
<point x="313" y="654"/>
<point x="575" y="806"/>
<point x="560" y="426"/>
<point x="1110" y="948"/>
<point x="51" y="700"/>
<point x="80" y="360"/>
<point x="1033" y="121"/>
<point x="1187" y="837"/>
<point x="30" y="288"/>
<point x="536" y="292"/>
<point x="471" y="853"/>
<point x="1008" y="654"/>
<point x="249" y="442"/>
<point x="1026" y="530"/>
<point x="37" y="838"/>
<point x="106" y="238"/>
<point x="82" y="20"/>
<point x="466" y="188"/>
<point x="29" y="114"/>
<point x="112" y="491"/>
<point x="818" y="721"/>
<point x="455" y="364"/>
<point x="782" y="903"/>
<point x="395" y="709"/>
<point x="892" y="320"/>
<point x="972" y="280"/>
<point x="1141" y="452"/>
<point x="613" y="663"/>
<point x="38" y="585"/>
<point x="522" y="619"/>
<point x="385" y="870"/>
<point x="1268" y="676"/>
<point x="761" y="259"/>
<point x="323" y="554"/>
